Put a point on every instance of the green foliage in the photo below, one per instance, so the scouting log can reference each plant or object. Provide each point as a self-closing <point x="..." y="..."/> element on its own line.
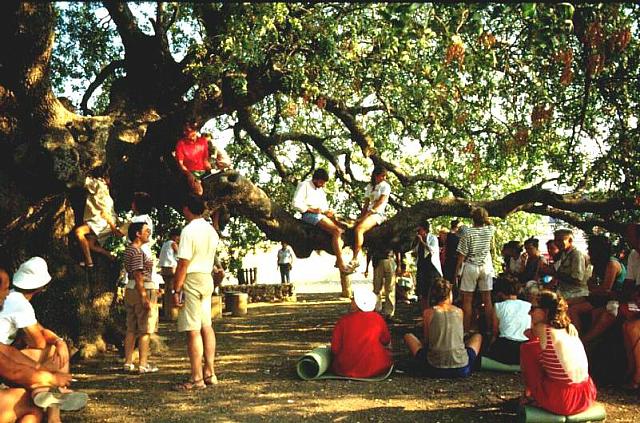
<point x="83" y="46"/>
<point x="491" y="97"/>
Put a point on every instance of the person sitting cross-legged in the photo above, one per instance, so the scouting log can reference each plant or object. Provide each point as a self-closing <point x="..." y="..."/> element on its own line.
<point x="444" y="353"/>
<point x="360" y="340"/>
<point x="510" y="320"/>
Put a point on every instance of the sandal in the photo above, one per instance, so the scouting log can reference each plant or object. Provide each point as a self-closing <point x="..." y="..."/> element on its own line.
<point x="211" y="380"/>
<point x="190" y="385"/>
<point x="68" y="401"/>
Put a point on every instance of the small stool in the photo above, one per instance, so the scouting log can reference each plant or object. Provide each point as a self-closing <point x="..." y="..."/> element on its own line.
<point x="236" y="303"/>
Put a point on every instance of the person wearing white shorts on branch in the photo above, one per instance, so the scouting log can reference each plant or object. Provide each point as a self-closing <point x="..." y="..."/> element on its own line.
<point x="376" y="199"/>
<point x="474" y="253"/>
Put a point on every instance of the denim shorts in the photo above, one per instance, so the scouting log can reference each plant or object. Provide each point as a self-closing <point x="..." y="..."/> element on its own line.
<point x="312" y="218"/>
<point x="426" y="367"/>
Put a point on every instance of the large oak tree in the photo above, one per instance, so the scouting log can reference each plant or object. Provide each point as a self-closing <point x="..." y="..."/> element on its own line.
<point x="512" y="107"/>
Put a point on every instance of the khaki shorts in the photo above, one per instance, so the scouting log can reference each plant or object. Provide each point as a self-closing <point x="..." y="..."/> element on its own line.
<point x="196" y="311"/>
<point x="474" y="276"/>
<point x="139" y="319"/>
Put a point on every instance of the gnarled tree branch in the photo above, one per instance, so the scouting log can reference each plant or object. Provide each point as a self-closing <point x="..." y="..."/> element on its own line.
<point x="102" y="76"/>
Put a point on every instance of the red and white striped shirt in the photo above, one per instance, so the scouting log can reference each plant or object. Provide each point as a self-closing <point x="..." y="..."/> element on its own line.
<point x="563" y="357"/>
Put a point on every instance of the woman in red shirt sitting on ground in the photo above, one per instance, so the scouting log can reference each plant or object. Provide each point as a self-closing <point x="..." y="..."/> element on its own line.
<point x="360" y="340"/>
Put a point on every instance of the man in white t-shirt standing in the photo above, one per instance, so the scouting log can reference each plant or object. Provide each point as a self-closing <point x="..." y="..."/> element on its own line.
<point x="192" y="290"/>
<point x="311" y="200"/>
<point x="473" y="265"/>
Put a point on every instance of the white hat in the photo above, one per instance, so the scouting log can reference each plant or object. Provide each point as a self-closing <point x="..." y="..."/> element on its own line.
<point x="365" y="299"/>
<point x="32" y="274"/>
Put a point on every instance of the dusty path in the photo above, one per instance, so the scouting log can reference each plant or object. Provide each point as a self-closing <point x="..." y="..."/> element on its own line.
<point x="255" y="365"/>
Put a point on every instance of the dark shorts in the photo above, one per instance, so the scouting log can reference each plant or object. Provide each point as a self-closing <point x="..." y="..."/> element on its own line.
<point x="427" y="369"/>
<point x="505" y="351"/>
<point x="425" y="276"/>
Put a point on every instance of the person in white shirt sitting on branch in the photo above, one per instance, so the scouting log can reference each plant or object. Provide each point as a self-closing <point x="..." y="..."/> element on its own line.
<point x="311" y="200"/>
<point x="376" y="199"/>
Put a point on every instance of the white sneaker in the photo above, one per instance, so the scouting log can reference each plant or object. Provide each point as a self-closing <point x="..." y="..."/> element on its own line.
<point x="147" y="369"/>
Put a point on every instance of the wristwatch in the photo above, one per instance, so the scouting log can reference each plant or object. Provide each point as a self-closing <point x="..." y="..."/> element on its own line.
<point x="174" y="292"/>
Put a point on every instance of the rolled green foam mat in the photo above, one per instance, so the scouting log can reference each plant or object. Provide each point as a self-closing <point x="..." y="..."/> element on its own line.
<point x="315" y="364"/>
<point x="487" y="363"/>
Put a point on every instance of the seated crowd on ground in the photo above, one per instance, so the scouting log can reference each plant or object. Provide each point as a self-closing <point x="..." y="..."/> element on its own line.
<point x="538" y="312"/>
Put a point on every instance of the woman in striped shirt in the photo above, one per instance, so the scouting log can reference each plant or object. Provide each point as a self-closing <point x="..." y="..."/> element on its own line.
<point x="554" y="364"/>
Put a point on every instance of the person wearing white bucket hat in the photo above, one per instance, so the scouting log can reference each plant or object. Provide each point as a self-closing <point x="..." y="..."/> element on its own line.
<point x="360" y="340"/>
<point x="40" y="344"/>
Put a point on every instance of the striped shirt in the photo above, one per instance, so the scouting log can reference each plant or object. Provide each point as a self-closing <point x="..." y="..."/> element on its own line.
<point x="475" y="244"/>
<point x="563" y="357"/>
<point x="136" y="259"/>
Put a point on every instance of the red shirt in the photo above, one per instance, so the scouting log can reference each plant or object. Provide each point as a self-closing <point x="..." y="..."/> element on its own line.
<point x="357" y="345"/>
<point x="193" y="155"/>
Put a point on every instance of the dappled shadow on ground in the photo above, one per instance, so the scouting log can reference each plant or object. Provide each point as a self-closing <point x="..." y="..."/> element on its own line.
<point x="255" y="364"/>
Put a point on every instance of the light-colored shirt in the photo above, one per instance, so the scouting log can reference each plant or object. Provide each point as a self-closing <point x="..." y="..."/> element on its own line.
<point x="198" y="243"/>
<point x="563" y="356"/>
<point x="308" y="196"/>
<point x="285" y="256"/>
<point x="573" y="264"/>
<point x="167" y="255"/>
<point x="446" y="339"/>
<point x="433" y="249"/>
<point x="475" y="244"/>
<point x="633" y="267"/>
<point x="374" y="193"/>
<point x="17" y="313"/>
<point x="513" y="317"/>
<point x="99" y="203"/>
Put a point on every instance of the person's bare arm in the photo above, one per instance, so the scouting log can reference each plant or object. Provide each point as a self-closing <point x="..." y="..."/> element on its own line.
<point x="427" y="315"/>
<point x="178" y="279"/>
<point x="34" y="336"/>
<point x="139" y="286"/>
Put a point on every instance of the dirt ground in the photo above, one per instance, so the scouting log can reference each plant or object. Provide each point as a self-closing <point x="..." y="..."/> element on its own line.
<point x="255" y="363"/>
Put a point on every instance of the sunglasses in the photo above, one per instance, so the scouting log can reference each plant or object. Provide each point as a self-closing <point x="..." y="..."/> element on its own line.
<point x="533" y="307"/>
